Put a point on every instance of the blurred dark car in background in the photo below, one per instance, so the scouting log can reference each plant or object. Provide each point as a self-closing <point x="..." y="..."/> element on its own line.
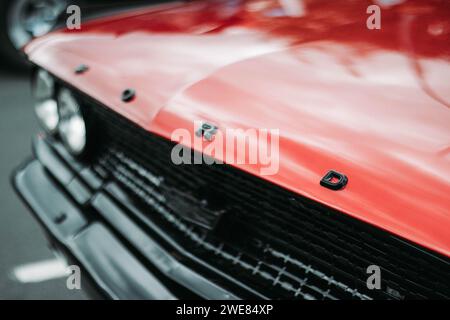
<point x="23" y="20"/>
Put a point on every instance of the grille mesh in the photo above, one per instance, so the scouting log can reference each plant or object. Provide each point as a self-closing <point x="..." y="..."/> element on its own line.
<point x="276" y="242"/>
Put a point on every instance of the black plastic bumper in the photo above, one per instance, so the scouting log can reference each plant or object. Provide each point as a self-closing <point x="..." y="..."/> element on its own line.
<point x="91" y="227"/>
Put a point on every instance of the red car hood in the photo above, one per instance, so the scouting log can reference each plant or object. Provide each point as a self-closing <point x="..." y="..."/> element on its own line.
<point x="372" y="104"/>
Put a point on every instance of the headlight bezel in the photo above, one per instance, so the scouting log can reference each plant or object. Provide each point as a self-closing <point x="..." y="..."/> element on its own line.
<point x="56" y="87"/>
<point x="45" y="104"/>
<point x="72" y="126"/>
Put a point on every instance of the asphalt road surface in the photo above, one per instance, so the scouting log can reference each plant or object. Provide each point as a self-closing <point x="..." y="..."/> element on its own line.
<point x="28" y="268"/>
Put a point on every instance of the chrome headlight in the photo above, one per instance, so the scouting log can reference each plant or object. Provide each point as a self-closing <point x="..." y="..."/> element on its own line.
<point x="45" y="106"/>
<point x="72" y="126"/>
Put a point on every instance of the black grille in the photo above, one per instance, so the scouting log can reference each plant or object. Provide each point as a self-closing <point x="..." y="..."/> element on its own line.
<point x="277" y="243"/>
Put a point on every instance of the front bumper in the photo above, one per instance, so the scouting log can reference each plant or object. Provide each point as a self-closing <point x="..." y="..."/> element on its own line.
<point x="89" y="226"/>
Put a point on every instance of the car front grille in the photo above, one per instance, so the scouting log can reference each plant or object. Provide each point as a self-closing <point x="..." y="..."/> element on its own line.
<point x="276" y="243"/>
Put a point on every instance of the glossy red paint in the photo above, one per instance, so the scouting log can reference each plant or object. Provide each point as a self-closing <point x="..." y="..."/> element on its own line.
<point x="373" y="104"/>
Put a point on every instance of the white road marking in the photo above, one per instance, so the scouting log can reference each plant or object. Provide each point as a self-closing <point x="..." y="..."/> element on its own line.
<point x="41" y="271"/>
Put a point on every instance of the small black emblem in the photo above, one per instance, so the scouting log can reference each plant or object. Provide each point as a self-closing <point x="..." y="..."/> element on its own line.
<point x="334" y="180"/>
<point x="207" y="131"/>
<point x="82" y="68"/>
<point x="128" y="95"/>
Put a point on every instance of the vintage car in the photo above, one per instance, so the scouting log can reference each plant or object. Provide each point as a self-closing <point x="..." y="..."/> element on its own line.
<point x="358" y="206"/>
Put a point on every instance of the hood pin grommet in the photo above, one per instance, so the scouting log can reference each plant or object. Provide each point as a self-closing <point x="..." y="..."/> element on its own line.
<point x="82" y="68"/>
<point x="128" y="95"/>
